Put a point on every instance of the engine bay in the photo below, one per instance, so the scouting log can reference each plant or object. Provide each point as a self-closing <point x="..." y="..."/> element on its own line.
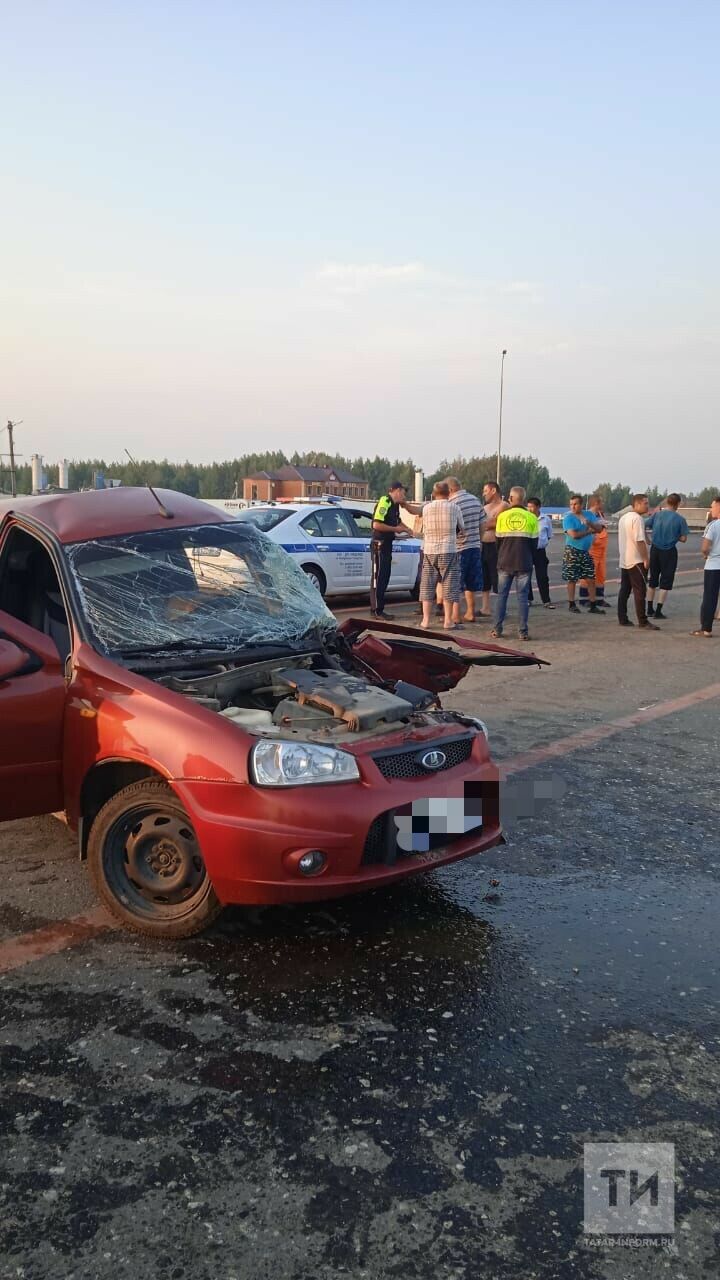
<point x="304" y="696"/>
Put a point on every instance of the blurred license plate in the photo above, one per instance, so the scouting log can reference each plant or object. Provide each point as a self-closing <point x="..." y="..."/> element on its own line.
<point x="426" y="824"/>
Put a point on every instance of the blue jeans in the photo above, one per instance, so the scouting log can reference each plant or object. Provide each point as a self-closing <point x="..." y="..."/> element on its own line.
<point x="522" y="587"/>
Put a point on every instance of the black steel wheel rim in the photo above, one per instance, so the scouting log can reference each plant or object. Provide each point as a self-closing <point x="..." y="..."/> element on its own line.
<point x="152" y="863"/>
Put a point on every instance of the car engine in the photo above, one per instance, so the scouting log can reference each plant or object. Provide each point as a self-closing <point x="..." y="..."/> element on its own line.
<point x="304" y="696"/>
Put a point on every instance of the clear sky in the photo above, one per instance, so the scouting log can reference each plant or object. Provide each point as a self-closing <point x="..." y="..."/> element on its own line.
<point x="232" y="226"/>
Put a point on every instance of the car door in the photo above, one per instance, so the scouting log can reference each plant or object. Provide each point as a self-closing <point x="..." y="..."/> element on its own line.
<point x="339" y="550"/>
<point x="362" y="526"/>
<point x="32" y="679"/>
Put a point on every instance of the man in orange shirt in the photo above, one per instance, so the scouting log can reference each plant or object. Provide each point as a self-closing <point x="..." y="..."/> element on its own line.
<point x="598" y="554"/>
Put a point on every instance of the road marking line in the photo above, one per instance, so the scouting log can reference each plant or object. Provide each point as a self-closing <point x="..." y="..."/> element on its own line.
<point x="56" y="937"/>
<point x="52" y="938"/>
<point x="598" y="732"/>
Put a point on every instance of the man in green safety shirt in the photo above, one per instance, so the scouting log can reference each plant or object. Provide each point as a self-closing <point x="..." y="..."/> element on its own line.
<point x="386" y="527"/>
<point x="517" y="531"/>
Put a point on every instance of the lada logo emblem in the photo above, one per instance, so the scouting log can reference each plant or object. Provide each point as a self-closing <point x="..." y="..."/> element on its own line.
<point x="433" y="760"/>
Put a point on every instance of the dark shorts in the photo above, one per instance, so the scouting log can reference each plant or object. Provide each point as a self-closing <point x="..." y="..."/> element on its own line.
<point x="577" y="565"/>
<point x="662" y="567"/>
<point x="471" y="570"/>
<point x="489" y="566"/>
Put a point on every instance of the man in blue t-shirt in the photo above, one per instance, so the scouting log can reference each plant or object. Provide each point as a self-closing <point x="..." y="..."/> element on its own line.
<point x="667" y="528"/>
<point x="579" y="528"/>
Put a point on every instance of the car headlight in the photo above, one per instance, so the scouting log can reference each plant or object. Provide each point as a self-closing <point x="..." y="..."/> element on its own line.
<point x="294" y="764"/>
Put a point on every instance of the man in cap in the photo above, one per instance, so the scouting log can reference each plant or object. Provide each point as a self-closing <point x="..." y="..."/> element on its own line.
<point x="386" y="527"/>
<point x="517" y="532"/>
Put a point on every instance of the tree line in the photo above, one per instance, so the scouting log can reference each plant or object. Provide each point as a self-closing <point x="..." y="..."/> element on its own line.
<point x="224" y="479"/>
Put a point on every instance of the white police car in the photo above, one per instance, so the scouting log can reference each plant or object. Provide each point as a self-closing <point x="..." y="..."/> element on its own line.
<point x="331" y="543"/>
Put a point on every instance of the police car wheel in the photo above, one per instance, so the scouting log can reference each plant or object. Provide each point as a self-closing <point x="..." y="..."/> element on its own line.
<point x="317" y="577"/>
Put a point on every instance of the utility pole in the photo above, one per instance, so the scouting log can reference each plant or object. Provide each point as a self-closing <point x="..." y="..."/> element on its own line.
<point x="502" y="371"/>
<point x="13" y="477"/>
<point x="13" y="481"/>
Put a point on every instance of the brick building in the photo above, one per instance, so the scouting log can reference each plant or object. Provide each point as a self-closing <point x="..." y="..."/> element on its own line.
<point x="303" y="482"/>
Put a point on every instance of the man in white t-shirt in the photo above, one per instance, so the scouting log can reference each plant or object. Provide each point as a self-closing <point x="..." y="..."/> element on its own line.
<point x="710" y="548"/>
<point x="634" y="563"/>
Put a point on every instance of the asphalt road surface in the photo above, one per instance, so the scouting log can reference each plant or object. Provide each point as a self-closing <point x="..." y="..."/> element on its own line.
<point x="400" y="1085"/>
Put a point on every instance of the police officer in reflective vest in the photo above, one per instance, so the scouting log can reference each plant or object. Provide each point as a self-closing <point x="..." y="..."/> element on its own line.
<point x="386" y="526"/>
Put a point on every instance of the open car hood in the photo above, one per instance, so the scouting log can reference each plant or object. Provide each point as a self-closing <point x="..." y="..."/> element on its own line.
<point x="418" y="658"/>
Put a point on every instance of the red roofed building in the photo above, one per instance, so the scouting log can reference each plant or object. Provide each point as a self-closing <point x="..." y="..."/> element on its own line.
<point x="303" y="482"/>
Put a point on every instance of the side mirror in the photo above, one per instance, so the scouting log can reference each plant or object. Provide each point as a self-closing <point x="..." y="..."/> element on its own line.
<point x="12" y="659"/>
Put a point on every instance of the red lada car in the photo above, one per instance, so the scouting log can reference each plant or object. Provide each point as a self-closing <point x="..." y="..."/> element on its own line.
<point x="172" y="681"/>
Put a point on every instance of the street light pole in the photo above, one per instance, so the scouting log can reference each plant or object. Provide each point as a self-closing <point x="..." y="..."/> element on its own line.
<point x="502" y="372"/>
<point x="13" y="481"/>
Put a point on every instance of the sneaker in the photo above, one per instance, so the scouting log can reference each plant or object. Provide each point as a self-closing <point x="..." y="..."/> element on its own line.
<point x="572" y="607"/>
<point x="594" y="609"/>
<point x="548" y="605"/>
<point x="523" y="635"/>
<point x="658" y="613"/>
<point x="650" y="611"/>
<point x="602" y="604"/>
<point x="384" y="617"/>
<point x="648" y="626"/>
<point x="625" y="622"/>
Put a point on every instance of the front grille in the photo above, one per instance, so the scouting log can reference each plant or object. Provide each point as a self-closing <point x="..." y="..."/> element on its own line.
<point x="406" y="764"/>
<point x="381" y="846"/>
<point x="375" y="849"/>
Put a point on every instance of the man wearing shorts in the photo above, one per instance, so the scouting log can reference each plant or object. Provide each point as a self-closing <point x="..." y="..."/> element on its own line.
<point x="667" y="528"/>
<point x="598" y="553"/>
<point x="579" y="529"/>
<point x="494" y="505"/>
<point x="468" y="544"/>
<point x="441" y="522"/>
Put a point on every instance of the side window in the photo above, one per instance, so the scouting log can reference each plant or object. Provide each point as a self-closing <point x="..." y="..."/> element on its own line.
<point x="363" y="523"/>
<point x="334" y="523"/>
<point x="311" y="526"/>
<point x="30" y="590"/>
<point x="328" y="523"/>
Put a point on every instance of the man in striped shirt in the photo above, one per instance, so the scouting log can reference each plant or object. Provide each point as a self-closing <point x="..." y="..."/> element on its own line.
<point x="469" y="547"/>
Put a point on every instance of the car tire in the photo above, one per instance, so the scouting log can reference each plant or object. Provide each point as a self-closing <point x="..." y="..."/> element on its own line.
<point x="146" y="864"/>
<point x="316" y="576"/>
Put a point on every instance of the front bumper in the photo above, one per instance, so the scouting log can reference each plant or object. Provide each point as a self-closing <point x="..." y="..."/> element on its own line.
<point x="249" y="835"/>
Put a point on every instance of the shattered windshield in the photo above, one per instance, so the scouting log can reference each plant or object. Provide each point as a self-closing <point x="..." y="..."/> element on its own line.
<point x="219" y="586"/>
